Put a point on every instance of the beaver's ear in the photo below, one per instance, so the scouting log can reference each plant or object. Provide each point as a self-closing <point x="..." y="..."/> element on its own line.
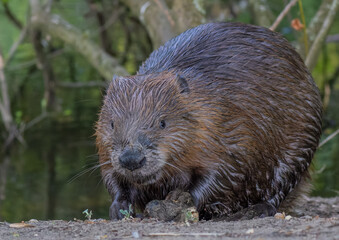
<point x="183" y="84"/>
<point x="115" y="79"/>
<point x="118" y="81"/>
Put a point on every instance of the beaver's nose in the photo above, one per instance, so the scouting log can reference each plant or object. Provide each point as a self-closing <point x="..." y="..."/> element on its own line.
<point x="132" y="159"/>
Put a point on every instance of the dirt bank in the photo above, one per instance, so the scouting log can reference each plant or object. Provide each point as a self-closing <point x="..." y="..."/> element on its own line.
<point x="318" y="219"/>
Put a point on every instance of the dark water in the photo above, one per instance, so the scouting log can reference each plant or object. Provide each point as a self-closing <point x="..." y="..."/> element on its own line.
<point x="42" y="182"/>
<point x="42" y="179"/>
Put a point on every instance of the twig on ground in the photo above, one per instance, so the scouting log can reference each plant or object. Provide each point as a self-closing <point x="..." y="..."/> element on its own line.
<point x="173" y="234"/>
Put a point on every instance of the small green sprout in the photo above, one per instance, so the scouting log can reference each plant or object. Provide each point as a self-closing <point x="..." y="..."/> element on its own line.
<point x="88" y="214"/>
<point x="16" y="235"/>
<point x="127" y="213"/>
<point x="191" y="215"/>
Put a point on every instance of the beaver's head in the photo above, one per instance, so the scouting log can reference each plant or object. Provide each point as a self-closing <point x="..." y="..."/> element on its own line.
<point x="144" y="126"/>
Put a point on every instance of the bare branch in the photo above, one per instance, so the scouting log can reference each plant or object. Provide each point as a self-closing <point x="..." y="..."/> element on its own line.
<point x="35" y="121"/>
<point x="5" y="107"/>
<point x="5" y="110"/>
<point x="161" y="22"/>
<point x="163" y="8"/>
<point x="106" y="42"/>
<point x="329" y="138"/>
<point x="152" y="17"/>
<point x="53" y="25"/>
<point x="312" y="56"/>
<point x="11" y="16"/>
<point x="16" y="44"/>
<point x="33" y="61"/>
<point x="283" y="14"/>
<point x="317" y="21"/>
<point x="48" y="6"/>
<point x="46" y="68"/>
<point x="262" y="13"/>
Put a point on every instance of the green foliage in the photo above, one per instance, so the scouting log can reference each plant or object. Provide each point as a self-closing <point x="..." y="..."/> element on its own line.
<point x="127" y="213"/>
<point x="327" y="63"/>
<point x="67" y="112"/>
<point x="191" y="215"/>
<point x="18" y="117"/>
<point x="43" y="104"/>
<point x="326" y="169"/>
<point x="88" y="214"/>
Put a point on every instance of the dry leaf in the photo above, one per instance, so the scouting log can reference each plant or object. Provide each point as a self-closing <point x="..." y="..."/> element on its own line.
<point x="296" y="24"/>
<point x="20" y="225"/>
<point x="89" y="221"/>
<point x="288" y="217"/>
<point x="280" y="215"/>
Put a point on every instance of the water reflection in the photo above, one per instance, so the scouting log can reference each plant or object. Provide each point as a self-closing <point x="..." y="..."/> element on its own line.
<point x="37" y="177"/>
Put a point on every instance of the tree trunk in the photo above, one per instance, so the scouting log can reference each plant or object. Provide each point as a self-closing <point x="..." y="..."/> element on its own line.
<point x="163" y="22"/>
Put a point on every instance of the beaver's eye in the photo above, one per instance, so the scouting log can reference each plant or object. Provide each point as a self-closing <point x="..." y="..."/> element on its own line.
<point x="162" y="124"/>
<point x="112" y="124"/>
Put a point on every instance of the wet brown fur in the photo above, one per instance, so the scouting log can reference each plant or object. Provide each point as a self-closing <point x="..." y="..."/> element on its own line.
<point x="242" y="132"/>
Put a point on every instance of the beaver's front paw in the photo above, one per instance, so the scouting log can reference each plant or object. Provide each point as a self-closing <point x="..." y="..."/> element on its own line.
<point x="177" y="206"/>
<point x="180" y="197"/>
<point x="114" y="210"/>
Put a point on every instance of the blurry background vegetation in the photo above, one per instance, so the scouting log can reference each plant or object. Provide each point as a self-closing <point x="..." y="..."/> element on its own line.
<point x="57" y="58"/>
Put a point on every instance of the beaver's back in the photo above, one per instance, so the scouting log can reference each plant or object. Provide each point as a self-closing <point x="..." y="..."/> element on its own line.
<point x="231" y="58"/>
<point x="225" y="51"/>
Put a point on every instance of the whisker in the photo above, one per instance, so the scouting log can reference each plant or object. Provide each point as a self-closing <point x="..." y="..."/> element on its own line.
<point x="169" y="164"/>
<point x="93" y="156"/>
<point x="166" y="176"/>
<point x="100" y="182"/>
<point x="91" y="170"/>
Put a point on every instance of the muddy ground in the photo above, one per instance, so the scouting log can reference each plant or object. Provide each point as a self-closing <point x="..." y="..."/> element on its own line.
<point x="318" y="219"/>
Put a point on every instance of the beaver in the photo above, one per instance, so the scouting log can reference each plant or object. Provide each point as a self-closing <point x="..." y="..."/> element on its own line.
<point x="225" y="111"/>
